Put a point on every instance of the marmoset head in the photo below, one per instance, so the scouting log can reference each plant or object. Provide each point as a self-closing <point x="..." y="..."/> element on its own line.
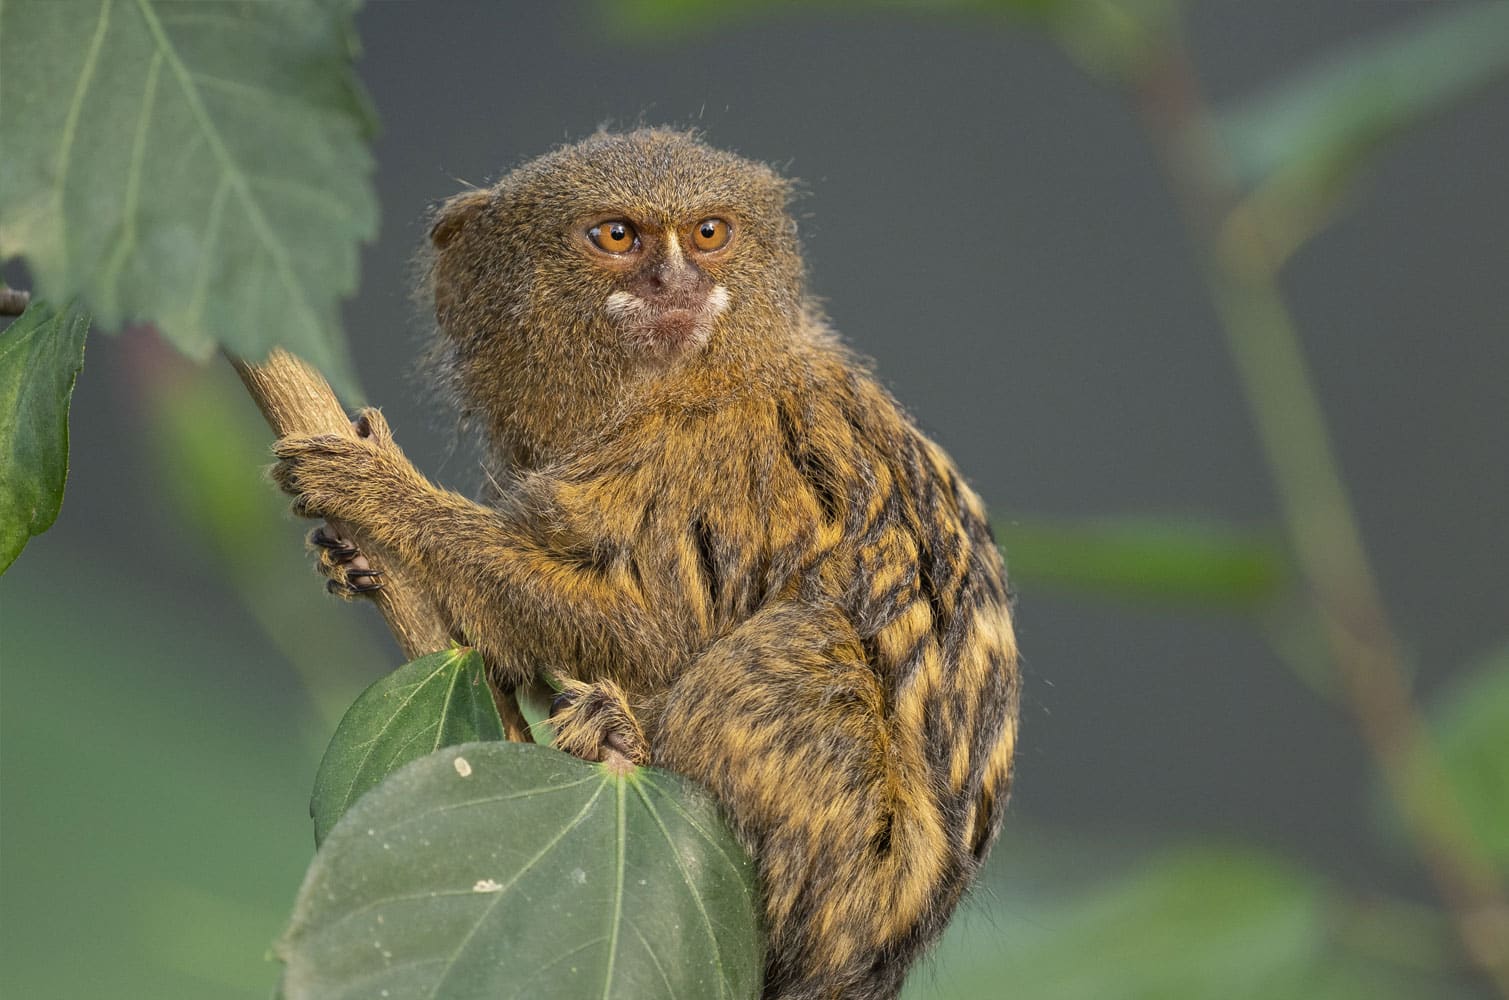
<point x="603" y="265"/>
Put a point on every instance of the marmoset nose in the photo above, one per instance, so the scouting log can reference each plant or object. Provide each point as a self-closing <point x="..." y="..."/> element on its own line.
<point x="674" y="280"/>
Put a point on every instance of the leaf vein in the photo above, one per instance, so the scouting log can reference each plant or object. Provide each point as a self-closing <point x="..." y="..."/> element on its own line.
<point x="298" y="297"/>
<point x="388" y="722"/>
<point x="723" y="986"/>
<point x="71" y="120"/>
<point x="277" y="99"/>
<point x="131" y="203"/>
<point x="618" y="891"/>
<point x="513" y="879"/>
<point x="211" y="236"/>
<point x="713" y="842"/>
<point x="306" y="192"/>
<point x="670" y="991"/>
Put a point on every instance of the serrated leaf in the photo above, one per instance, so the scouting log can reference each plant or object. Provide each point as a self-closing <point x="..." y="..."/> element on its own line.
<point x="1149" y="560"/>
<point x="436" y="701"/>
<point x="41" y="354"/>
<point x="506" y="869"/>
<point x="1197" y="924"/>
<point x="1471" y="725"/>
<point x="1321" y="122"/>
<point x="199" y="166"/>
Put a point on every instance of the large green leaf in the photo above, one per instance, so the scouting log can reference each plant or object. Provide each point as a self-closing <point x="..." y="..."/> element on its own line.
<point x="40" y="357"/>
<point x="512" y="870"/>
<point x="1149" y="560"/>
<point x="437" y="701"/>
<point x="199" y="166"/>
<point x="1321" y="122"/>
<point x="1199" y="924"/>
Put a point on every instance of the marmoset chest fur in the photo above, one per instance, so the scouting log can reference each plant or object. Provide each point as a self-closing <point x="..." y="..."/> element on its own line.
<point x="720" y="534"/>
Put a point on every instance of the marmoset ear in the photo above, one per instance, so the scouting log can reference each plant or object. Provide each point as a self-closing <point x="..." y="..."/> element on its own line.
<point x="455" y="213"/>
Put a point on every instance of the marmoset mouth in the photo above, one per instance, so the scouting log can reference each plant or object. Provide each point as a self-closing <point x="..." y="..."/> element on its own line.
<point x="677" y="324"/>
<point x="667" y="330"/>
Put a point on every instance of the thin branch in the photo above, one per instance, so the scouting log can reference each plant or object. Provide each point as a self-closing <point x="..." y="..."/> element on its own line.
<point x="1265" y="345"/>
<point x="296" y="399"/>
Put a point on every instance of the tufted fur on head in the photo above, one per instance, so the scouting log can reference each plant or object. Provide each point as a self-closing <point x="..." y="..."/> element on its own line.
<point x="540" y="340"/>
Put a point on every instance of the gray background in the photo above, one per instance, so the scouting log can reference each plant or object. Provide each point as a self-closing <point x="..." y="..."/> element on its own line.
<point x="990" y="225"/>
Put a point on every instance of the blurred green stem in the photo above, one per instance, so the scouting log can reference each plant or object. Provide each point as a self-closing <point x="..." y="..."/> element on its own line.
<point x="1281" y="396"/>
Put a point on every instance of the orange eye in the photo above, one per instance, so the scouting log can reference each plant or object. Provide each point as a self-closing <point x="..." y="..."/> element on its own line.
<point x="614" y="237"/>
<point x="711" y="234"/>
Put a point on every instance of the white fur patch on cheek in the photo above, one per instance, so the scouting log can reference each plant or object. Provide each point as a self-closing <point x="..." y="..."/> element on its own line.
<point x="717" y="301"/>
<point x="622" y="305"/>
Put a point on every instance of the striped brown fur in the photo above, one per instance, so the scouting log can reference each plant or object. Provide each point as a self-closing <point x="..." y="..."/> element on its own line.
<point x="745" y="543"/>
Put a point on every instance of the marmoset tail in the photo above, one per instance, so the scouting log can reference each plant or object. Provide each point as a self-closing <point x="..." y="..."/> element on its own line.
<point x="740" y="557"/>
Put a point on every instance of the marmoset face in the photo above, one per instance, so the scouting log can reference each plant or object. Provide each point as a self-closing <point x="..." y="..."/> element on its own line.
<point x="667" y="296"/>
<point x="598" y="268"/>
<point x="660" y="235"/>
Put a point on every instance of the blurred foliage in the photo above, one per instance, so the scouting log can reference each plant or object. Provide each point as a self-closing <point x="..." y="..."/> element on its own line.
<point x="1162" y="561"/>
<point x="169" y="171"/>
<point x="202" y="167"/>
<point x="662" y="18"/>
<point x="209" y="446"/>
<point x="1106" y="37"/>
<point x="1320" y="124"/>
<point x="1199" y="923"/>
<point x="1298" y="146"/>
<point x="437" y="701"/>
<point x="1471" y="724"/>
<point x="188" y="818"/>
<point x="148" y="775"/>
<point x="607" y="884"/>
<point x="41" y="354"/>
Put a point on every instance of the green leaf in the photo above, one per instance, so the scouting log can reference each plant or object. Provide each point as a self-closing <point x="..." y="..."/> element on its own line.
<point x="1148" y="560"/>
<point x="1471" y="726"/>
<point x="40" y="357"/>
<point x="202" y="167"/>
<point x="1202" y="923"/>
<point x="436" y="701"/>
<point x="507" y="869"/>
<point x="1320" y="123"/>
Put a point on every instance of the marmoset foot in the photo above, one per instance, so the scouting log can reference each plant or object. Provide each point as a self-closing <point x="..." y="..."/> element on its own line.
<point x="594" y="722"/>
<point x="347" y="572"/>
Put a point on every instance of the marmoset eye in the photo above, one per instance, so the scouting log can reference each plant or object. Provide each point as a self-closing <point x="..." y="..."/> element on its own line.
<point x="711" y="234"/>
<point x="614" y="237"/>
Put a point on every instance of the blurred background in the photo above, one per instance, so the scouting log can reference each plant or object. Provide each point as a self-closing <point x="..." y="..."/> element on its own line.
<point x="986" y="212"/>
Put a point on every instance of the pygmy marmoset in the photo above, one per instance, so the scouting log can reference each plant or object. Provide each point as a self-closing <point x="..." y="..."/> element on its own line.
<point x="739" y="555"/>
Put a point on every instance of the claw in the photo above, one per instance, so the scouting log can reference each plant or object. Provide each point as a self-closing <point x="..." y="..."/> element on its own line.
<point x="322" y="537"/>
<point x="337" y="550"/>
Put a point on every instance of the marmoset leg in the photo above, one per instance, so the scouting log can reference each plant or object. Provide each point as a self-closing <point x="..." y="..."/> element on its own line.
<point x="787" y="725"/>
